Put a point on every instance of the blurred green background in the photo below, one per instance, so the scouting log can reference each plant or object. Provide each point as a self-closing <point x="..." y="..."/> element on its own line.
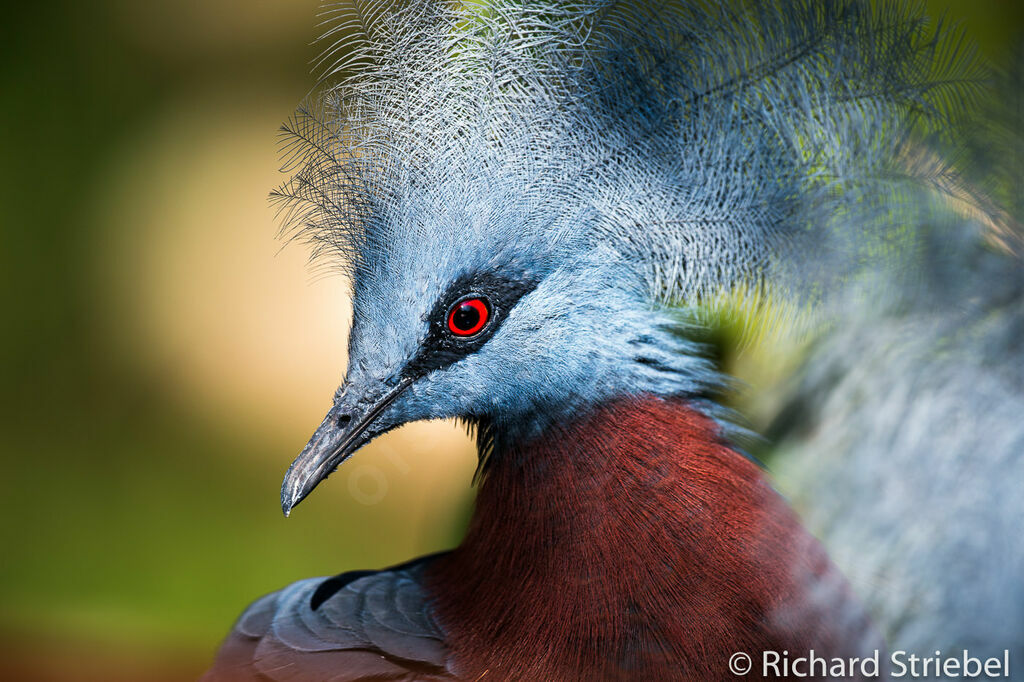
<point x="163" y="359"/>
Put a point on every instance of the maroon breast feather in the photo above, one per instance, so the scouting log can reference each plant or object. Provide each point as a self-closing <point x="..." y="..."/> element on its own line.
<point x="635" y="544"/>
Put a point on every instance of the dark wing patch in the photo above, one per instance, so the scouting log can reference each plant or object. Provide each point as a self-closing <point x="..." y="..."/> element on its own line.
<point x="329" y="587"/>
<point x="366" y="626"/>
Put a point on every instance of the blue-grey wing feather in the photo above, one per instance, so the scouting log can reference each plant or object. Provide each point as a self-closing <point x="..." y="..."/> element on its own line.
<point x="375" y="627"/>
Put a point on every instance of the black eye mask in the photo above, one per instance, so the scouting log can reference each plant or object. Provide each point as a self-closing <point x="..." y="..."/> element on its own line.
<point x="490" y="296"/>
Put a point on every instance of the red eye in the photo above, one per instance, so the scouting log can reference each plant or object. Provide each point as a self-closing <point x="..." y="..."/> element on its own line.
<point x="467" y="317"/>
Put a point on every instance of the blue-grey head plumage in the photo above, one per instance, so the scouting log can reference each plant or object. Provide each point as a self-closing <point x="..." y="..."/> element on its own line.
<point x="592" y="167"/>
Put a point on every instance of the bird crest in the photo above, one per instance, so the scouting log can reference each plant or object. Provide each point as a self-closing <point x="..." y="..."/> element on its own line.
<point x="659" y="136"/>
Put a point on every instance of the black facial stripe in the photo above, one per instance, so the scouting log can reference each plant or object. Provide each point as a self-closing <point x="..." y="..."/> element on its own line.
<point x="441" y="348"/>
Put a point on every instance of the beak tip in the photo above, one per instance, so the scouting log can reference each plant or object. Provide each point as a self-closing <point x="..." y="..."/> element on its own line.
<point x="332" y="443"/>
<point x="289" y="499"/>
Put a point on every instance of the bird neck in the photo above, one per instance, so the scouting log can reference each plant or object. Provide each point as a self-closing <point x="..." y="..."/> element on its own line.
<point x="623" y="545"/>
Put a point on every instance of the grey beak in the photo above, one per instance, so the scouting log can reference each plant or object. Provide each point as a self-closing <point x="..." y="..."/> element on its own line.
<point x="347" y="427"/>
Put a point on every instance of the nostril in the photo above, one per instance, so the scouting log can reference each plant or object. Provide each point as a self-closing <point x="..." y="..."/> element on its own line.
<point x="344" y="419"/>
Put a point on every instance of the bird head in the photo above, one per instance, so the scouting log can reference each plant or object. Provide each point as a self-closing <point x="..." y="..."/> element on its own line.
<point x="523" y="195"/>
<point x="467" y="322"/>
